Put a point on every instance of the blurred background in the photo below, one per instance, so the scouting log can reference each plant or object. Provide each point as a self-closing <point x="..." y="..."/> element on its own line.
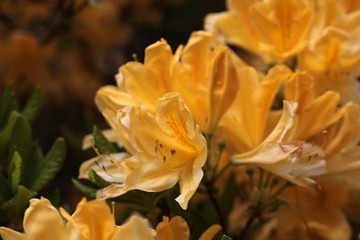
<point x="69" y="48"/>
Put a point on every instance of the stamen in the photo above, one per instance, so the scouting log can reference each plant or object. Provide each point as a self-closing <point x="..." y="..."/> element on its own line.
<point x="108" y="159"/>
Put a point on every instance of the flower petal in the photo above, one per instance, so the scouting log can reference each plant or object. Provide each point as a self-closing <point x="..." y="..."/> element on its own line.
<point x="84" y="223"/>
<point x="176" y="229"/>
<point x="43" y="221"/>
<point x="136" y="227"/>
<point x="110" y="167"/>
<point x="9" y="234"/>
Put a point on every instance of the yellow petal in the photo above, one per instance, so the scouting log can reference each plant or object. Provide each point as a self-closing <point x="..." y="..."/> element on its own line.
<point x="9" y="234"/>
<point x="169" y="147"/>
<point x="120" y="129"/>
<point x="136" y="227"/>
<point x="245" y="121"/>
<point x="294" y="161"/>
<point x="284" y="26"/>
<point x="223" y="87"/>
<point x="176" y="229"/>
<point x="110" y="97"/>
<point x="110" y="167"/>
<point x="84" y="223"/>
<point x="314" y="114"/>
<point x="210" y="232"/>
<point x="149" y="81"/>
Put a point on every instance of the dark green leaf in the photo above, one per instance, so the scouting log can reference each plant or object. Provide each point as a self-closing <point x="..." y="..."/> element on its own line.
<point x="33" y="105"/>
<point x="16" y="205"/>
<point x="5" y="190"/>
<point x="5" y="134"/>
<point x="89" y="192"/>
<point x="97" y="180"/>
<point x="46" y="169"/>
<point x="101" y="142"/>
<point x="21" y="139"/>
<point x="15" y="171"/>
<point x="6" y="105"/>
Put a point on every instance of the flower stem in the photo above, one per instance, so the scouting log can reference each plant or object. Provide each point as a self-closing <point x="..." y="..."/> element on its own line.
<point x="216" y="206"/>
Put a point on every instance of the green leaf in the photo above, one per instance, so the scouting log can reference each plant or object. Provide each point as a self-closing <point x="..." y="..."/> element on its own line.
<point x="89" y="192"/>
<point x="6" y="105"/>
<point x="15" y="207"/>
<point x="5" y="190"/>
<point x="5" y="134"/>
<point x="15" y="171"/>
<point x="224" y="237"/>
<point x="33" y="105"/>
<point x="97" y="180"/>
<point x="46" y="169"/>
<point x="101" y="142"/>
<point x="21" y="139"/>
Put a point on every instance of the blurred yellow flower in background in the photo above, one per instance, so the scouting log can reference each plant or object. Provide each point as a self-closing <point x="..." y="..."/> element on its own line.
<point x="334" y="60"/>
<point x="273" y="29"/>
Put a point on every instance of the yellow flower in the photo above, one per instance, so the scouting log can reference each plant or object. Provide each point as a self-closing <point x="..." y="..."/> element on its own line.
<point x="177" y="229"/>
<point x="91" y="220"/>
<point x="322" y="211"/>
<point x="334" y="59"/>
<point x="294" y="161"/>
<point x="204" y="72"/>
<point x="245" y="122"/>
<point x="342" y="150"/>
<point x="41" y="221"/>
<point x="273" y="29"/>
<point x="315" y="113"/>
<point x="170" y="148"/>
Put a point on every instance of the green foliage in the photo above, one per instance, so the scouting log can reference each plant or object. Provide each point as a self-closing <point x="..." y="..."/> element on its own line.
<point x="33" y="105"/>
<point x="101" y="142"/>
<point x="88" y="191"/>
<point x="104" y="146"/>
<point x="46" y="168"/>
<point x="25" y="169"/>
<point x="97" y="180"/>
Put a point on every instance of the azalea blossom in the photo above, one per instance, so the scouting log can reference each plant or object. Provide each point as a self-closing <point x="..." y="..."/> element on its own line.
<point x="319" y="215"/>
<point x="91" y="220"/>
<point x="273" y="29"/>
<point x="178" y="229"/>
<point x="169" y="149"/>
<point x="245" y="123"/>
<point x="334" y="58"/>
<point x="203" y="65"/>
<point x="294" y="161"/>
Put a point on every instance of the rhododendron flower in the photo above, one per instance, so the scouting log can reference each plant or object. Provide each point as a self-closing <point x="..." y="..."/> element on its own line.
<point x="273" y="29"/>
<point x="334" y="59"/>
<point x="342" y="150"/>
<point x="169" y="149"/>
<point x="322" y="211"/>
<point x="177" y="229"/>
<point x="244" y="124"/>
<point x="91" y="220"/>
<point x="204" y="72"/>
<point x="294" y="161"/>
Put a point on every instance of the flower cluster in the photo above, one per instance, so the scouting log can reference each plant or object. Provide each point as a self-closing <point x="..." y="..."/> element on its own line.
<point x="264" y="133"/>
